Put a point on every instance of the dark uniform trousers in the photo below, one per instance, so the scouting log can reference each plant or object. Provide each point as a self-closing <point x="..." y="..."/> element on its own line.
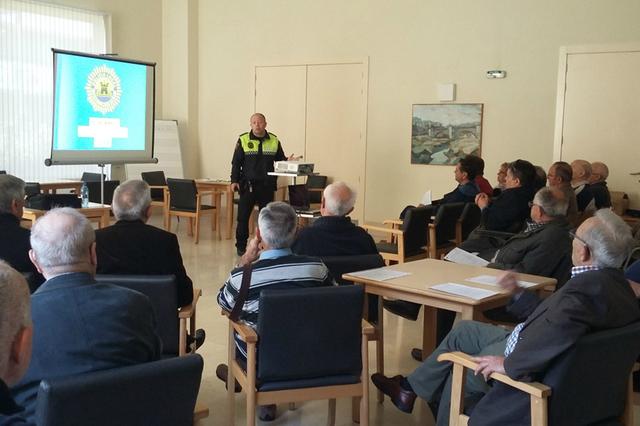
<point x="256" y="192"/>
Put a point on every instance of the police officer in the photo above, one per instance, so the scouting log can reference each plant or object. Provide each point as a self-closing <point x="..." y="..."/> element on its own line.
<point x="252" y="159"/>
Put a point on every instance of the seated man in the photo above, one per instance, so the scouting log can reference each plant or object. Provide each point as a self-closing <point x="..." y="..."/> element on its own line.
<point x="15" y="246"/>
<point x="597" y="297"/>
<point x="580" y="183"/>
<point x="15" y="339"/>
<point x="333" y="234"/>
<point x="481" y="182"/>
<point x="465" y="192"/>
<point x="598" y="185"/>
<point x="273" y="266"/>
<point x="560" y="176"/>
<point x="509" y="211"/>
<point x="130" y="246"/>
<point x="81" y="326"/>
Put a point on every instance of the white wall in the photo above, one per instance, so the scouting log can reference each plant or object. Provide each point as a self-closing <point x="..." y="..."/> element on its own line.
<point x="412" y="45"/>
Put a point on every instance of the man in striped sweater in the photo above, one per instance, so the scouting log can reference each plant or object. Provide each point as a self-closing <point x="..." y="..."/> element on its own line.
<point x="274" y="266"/>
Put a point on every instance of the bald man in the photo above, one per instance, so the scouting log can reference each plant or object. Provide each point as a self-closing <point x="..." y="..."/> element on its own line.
<point x="253" y="159"/>
<point x="333" y="234"/>
<point x="598" y="184"/>
<point x="81" y="325"/>
<point x="581" y="174"/>
<point x="15" y="338"/>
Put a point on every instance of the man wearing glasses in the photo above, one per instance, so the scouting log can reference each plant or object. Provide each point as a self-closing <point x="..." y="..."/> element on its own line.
<point x="597" y="297"/>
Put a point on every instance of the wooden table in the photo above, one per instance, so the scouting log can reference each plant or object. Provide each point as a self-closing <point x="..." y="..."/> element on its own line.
<point x="52" y="187"/>
<point x="417" y="288"/>
<point x="219" y="187"/>
<point x="95" y="212"/>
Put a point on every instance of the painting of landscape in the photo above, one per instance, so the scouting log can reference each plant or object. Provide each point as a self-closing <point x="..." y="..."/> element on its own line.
<point x="444" y="133"/>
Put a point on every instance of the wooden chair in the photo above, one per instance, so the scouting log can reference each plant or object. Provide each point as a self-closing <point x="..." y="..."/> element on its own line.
<point x="95" y="190"/>
<point x="304" y="351"/>
<point x="186" y="201"/>
<point x="444" y="229"/>
<point x="588" y="384"/>
<point x="171" y="322"/>
<point x="157" y="181"/>
<point x="315" y="186"/>
<point x="469" y="220"/>
<point x="153" y="393"/>
<point x="92" y="177"/>
<point x="410" y="239"/>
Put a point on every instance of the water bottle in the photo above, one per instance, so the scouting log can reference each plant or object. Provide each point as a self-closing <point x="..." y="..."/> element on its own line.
<point x="84" y="194"/>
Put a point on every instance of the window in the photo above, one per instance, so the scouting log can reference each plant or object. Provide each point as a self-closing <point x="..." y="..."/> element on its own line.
<point x="28" y="31"/>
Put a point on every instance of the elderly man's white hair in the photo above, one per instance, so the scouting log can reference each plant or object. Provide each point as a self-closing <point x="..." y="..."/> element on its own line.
<point x="15" y="305"/>
<point x="278" y="223"/>
<point x="11" y="189"/>
<point x="609" y="239"/>
<point x="339" y="199"/>
<point x="131" y="200"/>
<point x="61" y="237"/>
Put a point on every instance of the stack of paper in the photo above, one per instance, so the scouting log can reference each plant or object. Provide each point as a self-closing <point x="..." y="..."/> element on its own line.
<point x="380" y="274"/>
<point x="491" y="280"/>
<point x="464" y="290"/>
<point x="457" y="255"/>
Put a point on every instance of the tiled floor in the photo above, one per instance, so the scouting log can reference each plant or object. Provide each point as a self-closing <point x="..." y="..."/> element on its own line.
<point x="208" y="264"/>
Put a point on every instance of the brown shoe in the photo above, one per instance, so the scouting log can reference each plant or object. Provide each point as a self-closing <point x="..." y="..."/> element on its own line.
<point x="267" y="413"/>
<point x="222" y="372"/>
<point x="390" y="386"/>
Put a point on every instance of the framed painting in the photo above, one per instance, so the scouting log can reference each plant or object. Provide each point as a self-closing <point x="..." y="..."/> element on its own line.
<point x="442" y="134"/>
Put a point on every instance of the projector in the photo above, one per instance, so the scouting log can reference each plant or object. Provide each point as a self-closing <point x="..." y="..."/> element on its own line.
<point x="293" y="167"/>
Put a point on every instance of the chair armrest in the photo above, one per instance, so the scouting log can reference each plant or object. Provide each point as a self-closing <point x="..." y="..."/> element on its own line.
<point x="158" y="187"/>
<point x="392" y="222"/>
<point x="367" y="328"/>
<point x="246" y="333"/>
<point x="534" y="388"/>
<point x="382" y="229"/>
<point x="187" y="311"/>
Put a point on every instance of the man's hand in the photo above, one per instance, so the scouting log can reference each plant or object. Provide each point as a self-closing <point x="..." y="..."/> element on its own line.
<point x="508" y="281"/>
<point x="252" y="253"/>
<point x="488" y="365"/>
<point x="235" y="186"/>
<point x="482" y="200"/>
<point x="293" y="157"/>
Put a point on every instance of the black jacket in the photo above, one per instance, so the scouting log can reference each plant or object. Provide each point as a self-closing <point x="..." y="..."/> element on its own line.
<point x="508" y="211"/>
<point x="15" y="246"/>
<point x="254" y="168"/>
<point x="601" y="194"/>
<point x="133" y="247"/>
<point x="333" y="236"/>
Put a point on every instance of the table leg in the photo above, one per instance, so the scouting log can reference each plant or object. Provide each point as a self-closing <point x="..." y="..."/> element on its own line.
<point x="380" y="345"/>
<point x="104" y="219"/>
<point x="229" y="212"/>
<point x="429" y="325"/>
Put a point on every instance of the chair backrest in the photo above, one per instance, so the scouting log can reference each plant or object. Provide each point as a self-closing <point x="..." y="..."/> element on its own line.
<point x="92" y="177"/>
<point x="31" y="189"/>
<point x="154" y="393"/>
<point x="310" y="336"/>
<point x="156" y="178"/>
<point x="182" y="193"/>
<point x="3" y="172"/>
<point x="162" y="291"/>
<point x="446" y="220"/>
<point x="414" y="225"/>
<point x="470" y="218"/>
<point x="316" y="182"/>
<point x="589" y="381"/>
<point x="94" y="190"/>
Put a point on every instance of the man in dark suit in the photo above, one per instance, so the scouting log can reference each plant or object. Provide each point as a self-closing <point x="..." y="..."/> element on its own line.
<point x="597" y="297"/>
<point x="15" y="339"/>
<point x="14" y="239"/>
<point x="580" y="183"/>
<point x="130" y="246"/>
<point x="80" y="325"/>
<point x="598" y="185"/>
<point x="333" y="234"/>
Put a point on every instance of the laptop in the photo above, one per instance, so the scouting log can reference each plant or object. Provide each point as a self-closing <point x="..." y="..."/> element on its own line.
<point x="299" y="200"/>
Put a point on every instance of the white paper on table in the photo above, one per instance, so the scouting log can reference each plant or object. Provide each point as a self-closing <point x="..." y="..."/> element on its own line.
<point x="380" y="274"/>
<point x="492" y="280"/>
<point x="426" y="198"/>
<point x="464" y="290"/>
<point x="457" y="255"/>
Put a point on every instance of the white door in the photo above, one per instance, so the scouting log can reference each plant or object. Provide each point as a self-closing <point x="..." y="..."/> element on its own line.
<point x="319" y="111"/>
<point x="598" y="115"/>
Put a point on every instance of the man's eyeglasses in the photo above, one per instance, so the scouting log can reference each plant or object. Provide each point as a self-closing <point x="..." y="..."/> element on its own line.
<point x="575" y="237"/>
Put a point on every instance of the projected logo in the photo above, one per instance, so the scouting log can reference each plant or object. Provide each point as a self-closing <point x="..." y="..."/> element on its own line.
<point x="103" y="89"/>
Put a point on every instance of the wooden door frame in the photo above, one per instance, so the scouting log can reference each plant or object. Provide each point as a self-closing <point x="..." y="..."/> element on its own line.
<point x="364" y="63"/>
<point x="565" y="52"/>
